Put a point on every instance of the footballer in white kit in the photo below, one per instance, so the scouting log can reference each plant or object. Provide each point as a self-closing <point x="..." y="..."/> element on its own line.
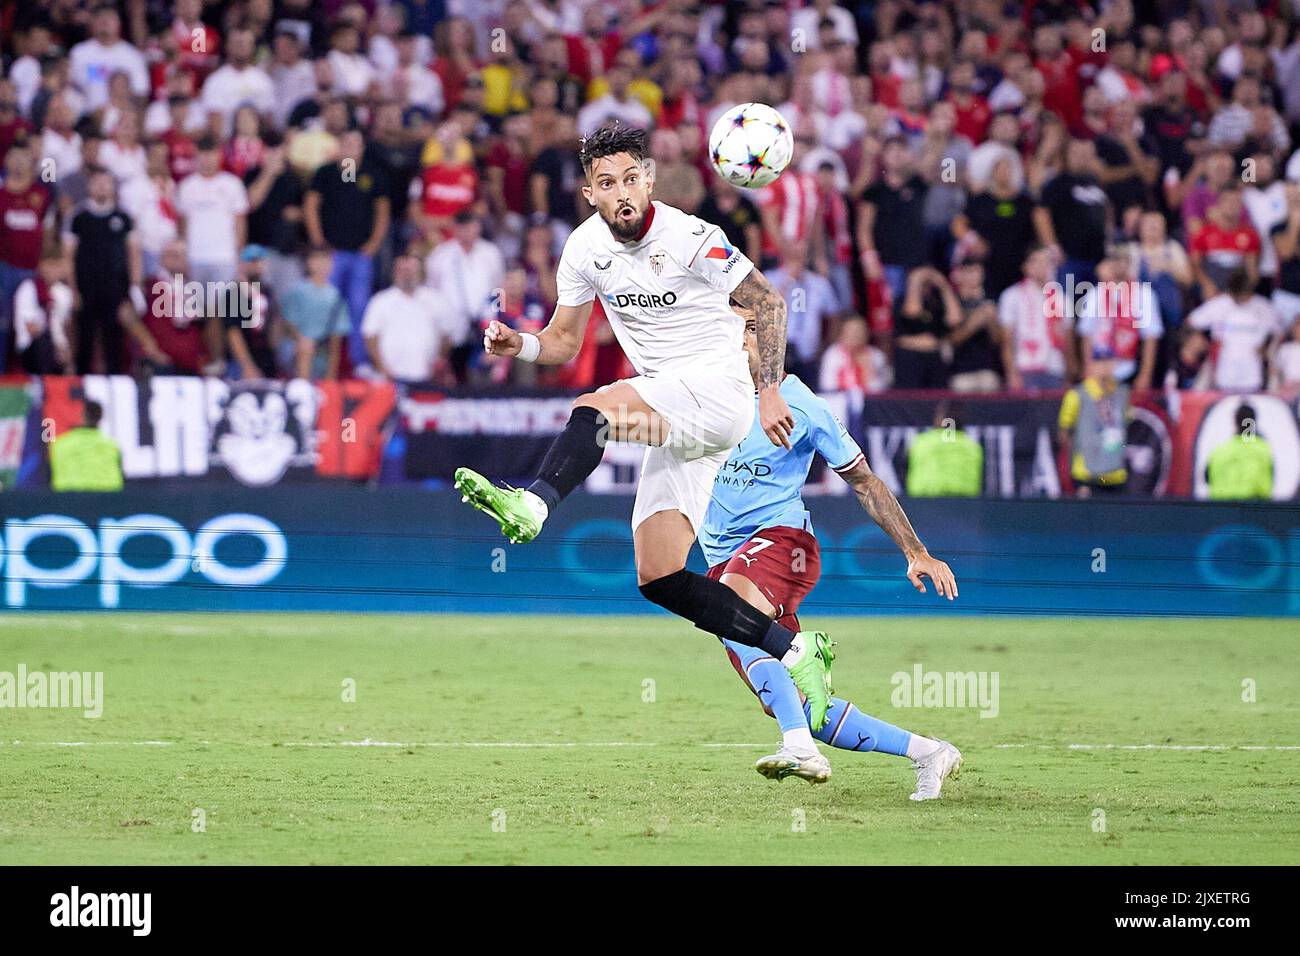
<point x="666" y="297"/>
<point x="665" y="280"/>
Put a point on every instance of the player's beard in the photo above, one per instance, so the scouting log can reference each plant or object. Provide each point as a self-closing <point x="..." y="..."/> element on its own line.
<point x="625" y="230"/>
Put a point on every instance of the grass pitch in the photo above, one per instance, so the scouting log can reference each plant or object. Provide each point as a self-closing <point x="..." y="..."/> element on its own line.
<point x="505" y="739"/>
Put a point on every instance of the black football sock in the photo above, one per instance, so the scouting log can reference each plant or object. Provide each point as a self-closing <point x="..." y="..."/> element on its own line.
<point x="572" y="457"/>
<point x="712" y="606"/>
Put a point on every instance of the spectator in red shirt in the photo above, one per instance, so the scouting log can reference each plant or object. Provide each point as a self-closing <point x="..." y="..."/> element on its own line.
<point x="446" y="187"/>
<point x="789" y="205"/>
<point x="508" y="165"/>
<point x="973" y="113"/>
<point x="244" y="150"/>
<point x="1062" y="91"/>
<point x="171" y="315"/>
<point x="23" y="206"/>
<point x="680" y="103"/>
<point x="1086" y="55"/>
<point x="453" y="39"/>
<point x="884" y="81"/>
<point x="198" y="45"/>
<point x="838" y="245"/>
<point x="1224" y="244"/>
<point x="182" y="152"/>
<point x="1095" y="118"/>
<point x="592" y="52"/>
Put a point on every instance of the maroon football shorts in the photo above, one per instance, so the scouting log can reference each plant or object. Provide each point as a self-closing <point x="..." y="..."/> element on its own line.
<point x="783" y="563"/>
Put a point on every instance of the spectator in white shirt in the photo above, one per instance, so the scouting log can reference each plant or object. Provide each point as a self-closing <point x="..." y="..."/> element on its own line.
<point x="178" y="110"/>
<point x="1122" y="316"/>
<point x="412" y="83"/>
<point x="121" y="101"/>
<point x="1265" y="202"/>
<point x="403" y="338"/>
<point x="1247" y="115"/>
<point x="121" y="154"/>
<point x="42" y="317"/>
<point x="1120" y="78"/>
<point x="852" y="364"/>
<point x="381" y="50"/>
<point x="61" y="143"/>
<point x="150" y="202"/>
<point x="25" y="73"/>
<point x="808" y="19"/>
<point x="93" y="62"/>
<point x="1009" y="93"/>
<point x="617" y="104"/>
<point x="293" y="78"/>
<point x="1251" y="30"/>
<point x="811" y="304"/>
<point x="1036" y="352"/>
<point x="1241" y="324"/>
<point x="213" y="207"/>
<point x="1286" y="363"/>
<point x="1004" y="131"/>
<point x="464" y="271"/>
<point x="238" y="81"/>
<point x="353" y="73"/>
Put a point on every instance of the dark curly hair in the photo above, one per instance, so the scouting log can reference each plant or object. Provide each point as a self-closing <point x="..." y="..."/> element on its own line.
<point x="609" y="140"/>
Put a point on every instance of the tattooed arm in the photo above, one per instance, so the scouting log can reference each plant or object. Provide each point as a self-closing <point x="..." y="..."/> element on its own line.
<point x="756" y="294"/>
<point x="879" y="502"/>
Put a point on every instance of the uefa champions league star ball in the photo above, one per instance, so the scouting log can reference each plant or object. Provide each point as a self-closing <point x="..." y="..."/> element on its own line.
<point x="751" y="144"/>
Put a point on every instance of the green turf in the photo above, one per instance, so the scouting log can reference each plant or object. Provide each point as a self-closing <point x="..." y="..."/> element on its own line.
<point x="234" y="695"/>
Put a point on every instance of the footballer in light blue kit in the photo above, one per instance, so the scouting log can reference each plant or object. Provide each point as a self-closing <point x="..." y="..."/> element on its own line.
<point x="758" y="540"/>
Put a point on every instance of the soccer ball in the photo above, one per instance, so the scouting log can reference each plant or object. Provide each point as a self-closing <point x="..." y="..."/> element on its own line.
<point x="750" y="145"/>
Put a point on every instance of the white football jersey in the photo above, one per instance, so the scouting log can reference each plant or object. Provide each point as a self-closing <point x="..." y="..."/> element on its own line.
<point x="665" y="294"/>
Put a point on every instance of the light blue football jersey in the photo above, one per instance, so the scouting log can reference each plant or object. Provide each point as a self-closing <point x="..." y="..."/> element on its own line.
<point x="760" y="485"/>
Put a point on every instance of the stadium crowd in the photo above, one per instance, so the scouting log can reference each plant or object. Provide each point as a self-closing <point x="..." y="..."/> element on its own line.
<point x="984" y="196"/>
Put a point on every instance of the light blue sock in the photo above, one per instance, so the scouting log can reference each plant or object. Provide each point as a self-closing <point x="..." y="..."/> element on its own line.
<point x="772" y="682"/>
<point x="848" y="728"/>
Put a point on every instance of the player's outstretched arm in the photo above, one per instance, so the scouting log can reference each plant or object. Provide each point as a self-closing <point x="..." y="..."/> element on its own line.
<point x="559" y="341"/>
<point x="758" y="295"/>
<point x="880" y="503"/>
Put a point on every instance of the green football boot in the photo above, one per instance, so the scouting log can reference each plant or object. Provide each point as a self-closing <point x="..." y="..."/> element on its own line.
<point x="505" y="505"/>
<point x="811" y="673"/>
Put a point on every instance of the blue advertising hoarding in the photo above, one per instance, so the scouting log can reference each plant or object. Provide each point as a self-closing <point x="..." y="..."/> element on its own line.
<point x="343" y="548"/>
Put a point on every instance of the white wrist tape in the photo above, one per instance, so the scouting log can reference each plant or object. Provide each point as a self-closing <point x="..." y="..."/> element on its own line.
<point x="531" y="347"/>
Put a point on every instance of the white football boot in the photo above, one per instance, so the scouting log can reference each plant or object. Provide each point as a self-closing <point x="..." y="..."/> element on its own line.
<point x="934" y="768"/>
<point x="789" y="762"/>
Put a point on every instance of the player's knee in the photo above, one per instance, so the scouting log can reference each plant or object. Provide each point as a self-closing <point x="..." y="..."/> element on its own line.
<point x="665" y="587"/>
<point x="735" y="582"/>
<point x="747" y="590"/>
<point x="591" y="400"/>
<point x="589" y="420"/>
